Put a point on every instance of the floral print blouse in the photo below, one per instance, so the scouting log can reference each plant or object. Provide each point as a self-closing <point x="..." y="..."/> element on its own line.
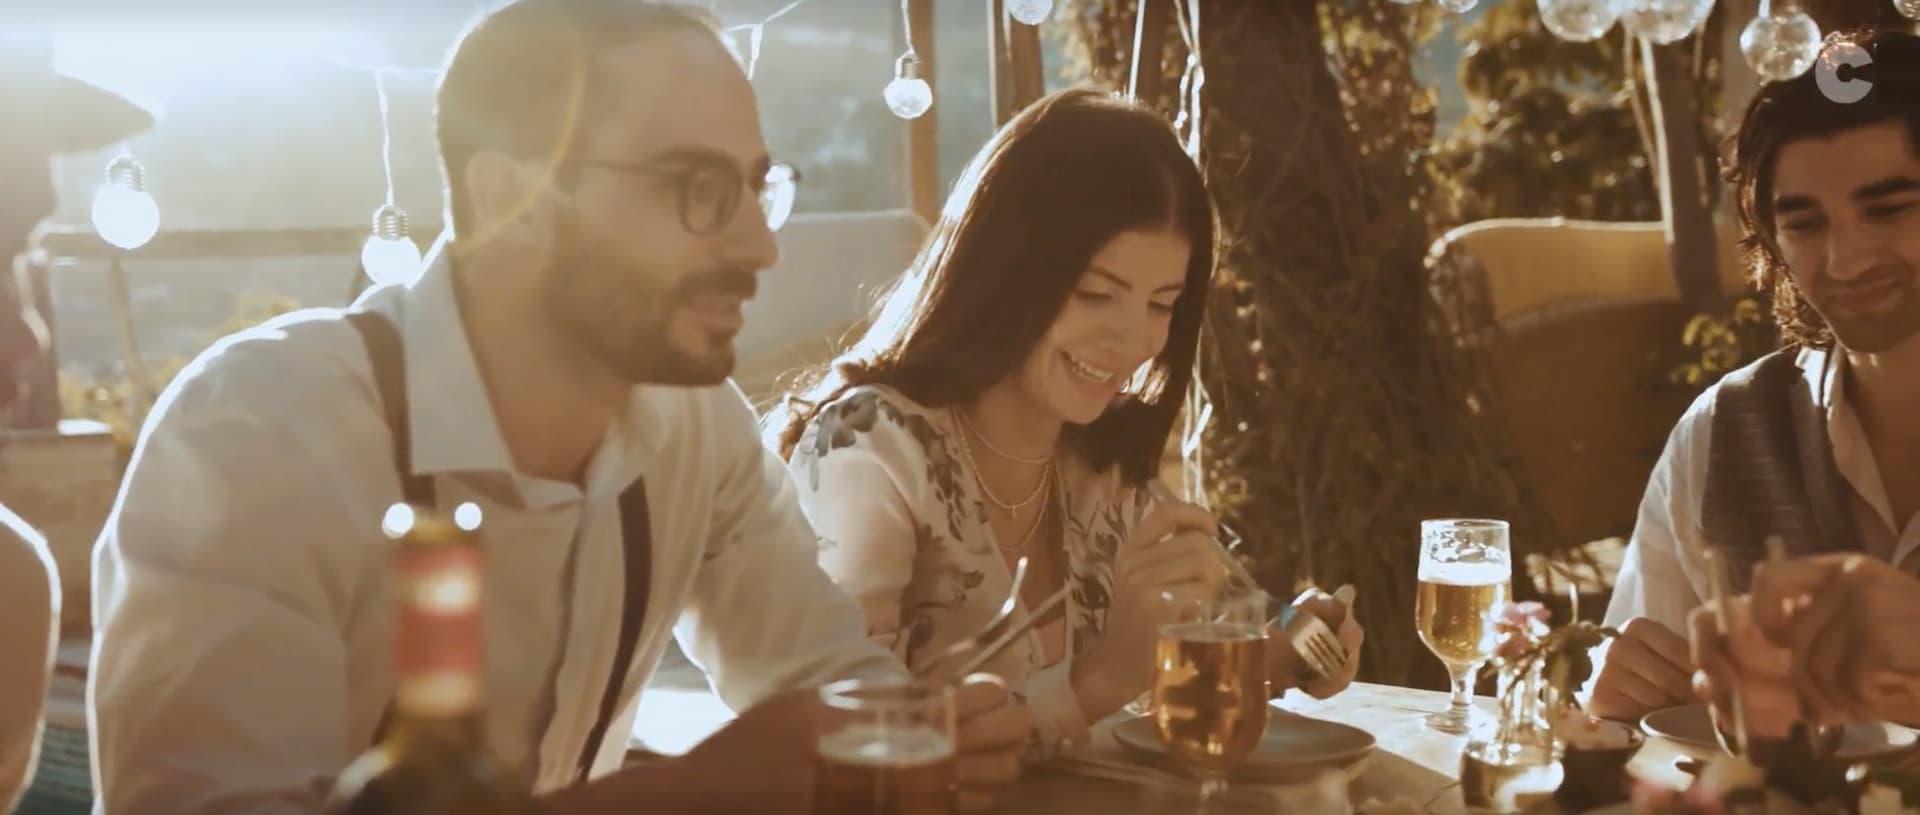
<point x="904" y="530"/>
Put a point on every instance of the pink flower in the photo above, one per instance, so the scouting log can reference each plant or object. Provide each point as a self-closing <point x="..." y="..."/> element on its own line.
<point x="1519" y="627"/>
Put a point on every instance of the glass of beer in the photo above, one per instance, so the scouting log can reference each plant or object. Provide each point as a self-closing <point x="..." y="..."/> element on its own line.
<point x="1210" y="684"/>
<point x="885" y="749"/>
<point x="1465" y="577"/>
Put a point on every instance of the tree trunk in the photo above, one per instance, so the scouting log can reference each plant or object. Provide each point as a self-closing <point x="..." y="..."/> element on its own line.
<point x="1681" y="167"/>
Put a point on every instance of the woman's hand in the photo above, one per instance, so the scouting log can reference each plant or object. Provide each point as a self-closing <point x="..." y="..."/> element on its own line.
<point x="1283" y="661"/>
<point x="1170" y="552"/>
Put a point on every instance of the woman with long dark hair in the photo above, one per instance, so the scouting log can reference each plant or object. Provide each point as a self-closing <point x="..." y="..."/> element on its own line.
<point x="1013" y="397"/>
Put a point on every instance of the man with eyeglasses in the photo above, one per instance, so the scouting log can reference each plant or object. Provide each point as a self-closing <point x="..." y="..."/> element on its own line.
<point x="562" y="364"/>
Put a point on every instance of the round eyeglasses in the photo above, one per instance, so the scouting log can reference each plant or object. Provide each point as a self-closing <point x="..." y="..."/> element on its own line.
<point x="710" y="192"/>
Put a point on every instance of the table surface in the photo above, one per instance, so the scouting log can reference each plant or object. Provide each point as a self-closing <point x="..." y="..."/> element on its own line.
<point x="1409" y="761"/>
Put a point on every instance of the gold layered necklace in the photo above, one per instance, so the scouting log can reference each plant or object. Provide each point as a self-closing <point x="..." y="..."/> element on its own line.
<point x="1012" y="508"/>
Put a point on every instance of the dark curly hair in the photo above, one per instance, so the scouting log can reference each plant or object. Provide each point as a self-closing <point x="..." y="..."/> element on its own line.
<point x="1797" y="109"/>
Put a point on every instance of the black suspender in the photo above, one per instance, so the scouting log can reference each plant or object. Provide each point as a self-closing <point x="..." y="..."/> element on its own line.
<point x="636" y="531"/>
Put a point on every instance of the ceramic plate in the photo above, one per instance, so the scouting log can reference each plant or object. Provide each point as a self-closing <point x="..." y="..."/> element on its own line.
<point x="1294" y="746"/>
<point x="1692" y="726"/>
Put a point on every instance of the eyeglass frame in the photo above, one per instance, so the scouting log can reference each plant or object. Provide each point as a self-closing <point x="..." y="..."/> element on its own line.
<point x="681" y="168"/>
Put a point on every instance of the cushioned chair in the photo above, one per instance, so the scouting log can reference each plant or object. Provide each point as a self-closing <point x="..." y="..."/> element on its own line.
<point x="1590" y="324"/>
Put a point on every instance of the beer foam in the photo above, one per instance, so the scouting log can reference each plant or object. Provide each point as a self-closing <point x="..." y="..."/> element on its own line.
<point x="1466" y="574"/>
<point x="872" y="745"/>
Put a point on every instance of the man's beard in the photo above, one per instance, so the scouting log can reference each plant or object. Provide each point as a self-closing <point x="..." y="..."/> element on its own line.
<point x="1872" y="334"/>
<point x="618" y="311"/>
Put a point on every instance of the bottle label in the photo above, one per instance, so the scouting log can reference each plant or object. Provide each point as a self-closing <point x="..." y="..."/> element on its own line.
<point x="437" y="633"/>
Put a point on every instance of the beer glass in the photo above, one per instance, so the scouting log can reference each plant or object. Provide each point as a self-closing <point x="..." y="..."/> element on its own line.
<point x="885" y="749"/>
<point x="1210" y="683"/>
<point x="1465" y="577"/>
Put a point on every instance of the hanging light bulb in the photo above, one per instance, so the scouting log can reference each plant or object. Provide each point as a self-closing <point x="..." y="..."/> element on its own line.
<point x="1580" y="20"/>
<point x="1665" y="21"/>
<point x="390" y="255"/>
<point x="908" y="95"/>
<point x="1781" y="45"/>
<point x="1031" y="12"/>
<point x="1458" y="6"/>
<point x="124" y="213"/>
<point x="1909" y="8"/>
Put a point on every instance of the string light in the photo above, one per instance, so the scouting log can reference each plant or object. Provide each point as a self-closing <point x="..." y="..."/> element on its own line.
<point x="756" y="32"/>
<point x="124" y="213"/>
<point x="1780" y="46"/>
<point x="908" y="95"/>
<point x="1580" y="20"/>
<point x="1030" y="12"/>
<point x="390" y="255"/>
<point x="1665" y="21"/>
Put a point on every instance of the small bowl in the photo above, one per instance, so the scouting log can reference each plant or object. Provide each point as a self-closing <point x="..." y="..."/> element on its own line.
<point x="1596" y="777"/>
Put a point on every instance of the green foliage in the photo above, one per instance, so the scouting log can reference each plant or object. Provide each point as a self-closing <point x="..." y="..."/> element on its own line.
<point x="1716" y="345"/>
<point x="1550" y="128"/>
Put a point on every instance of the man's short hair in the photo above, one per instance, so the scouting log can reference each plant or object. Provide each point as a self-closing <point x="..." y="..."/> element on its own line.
<point x="1805" y="108"/>
<point x="521" y="81"/>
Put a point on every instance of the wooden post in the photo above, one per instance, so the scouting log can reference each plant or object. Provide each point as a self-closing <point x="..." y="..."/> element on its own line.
<point x="999" y="64"/>
<point x="1028" y="65"/>
<point x="923" y="134"/>
<point x="1149" y="42"/>
<point x="1692" y="242"/>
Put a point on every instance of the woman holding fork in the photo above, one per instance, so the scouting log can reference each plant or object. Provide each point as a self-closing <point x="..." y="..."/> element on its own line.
<point x="1012" y="398"/>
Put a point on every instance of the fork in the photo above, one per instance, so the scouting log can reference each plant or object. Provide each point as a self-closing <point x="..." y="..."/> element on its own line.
<point x="988" y="632"/>
<point x="1321" y="654"/>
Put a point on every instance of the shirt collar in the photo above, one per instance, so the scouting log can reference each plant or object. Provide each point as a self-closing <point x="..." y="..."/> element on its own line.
<point x="453" y="424"/>
<point x="1826" y="376"/>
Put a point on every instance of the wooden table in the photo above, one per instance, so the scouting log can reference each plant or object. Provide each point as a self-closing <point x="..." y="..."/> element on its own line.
<point x="1410" y="761"/>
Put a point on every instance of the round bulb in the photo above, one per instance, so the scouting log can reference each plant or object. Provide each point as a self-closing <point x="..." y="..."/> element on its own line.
<point x="909" y="98"/>
<point x="1909" y="8"/>
<point x="391" y="260"/>
<point x="1781" y="46"/>
<point x="908" y="95"/>
<point x="1459" y="6"/>
<point x="1665" y="21"/>
<point x="125" y="217"/>
<point x="1580" y="20"/>
<point x="1031" y="12"/>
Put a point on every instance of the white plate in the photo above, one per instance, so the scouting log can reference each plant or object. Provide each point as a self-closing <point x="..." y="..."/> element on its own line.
<point x="1691" y="725"/>
<point x="1294" y="746"/>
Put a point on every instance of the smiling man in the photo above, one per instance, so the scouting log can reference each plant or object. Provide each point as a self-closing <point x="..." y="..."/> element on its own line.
<point x="562" y="364"/>
<point x="1818" y="444"/>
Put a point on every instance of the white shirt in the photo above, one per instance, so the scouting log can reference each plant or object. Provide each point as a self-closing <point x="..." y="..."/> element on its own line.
<point x="29" y="635"/>
<point x="1664" y="575"/>
<point x="242" y="656"/>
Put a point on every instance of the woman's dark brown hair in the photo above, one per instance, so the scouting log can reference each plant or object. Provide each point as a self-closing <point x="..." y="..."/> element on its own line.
<point x="1041" y="198"/>
<point x="1797" y="109"/>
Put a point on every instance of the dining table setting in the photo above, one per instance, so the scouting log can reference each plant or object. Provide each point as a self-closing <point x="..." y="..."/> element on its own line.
<point x="1210" y="738"/>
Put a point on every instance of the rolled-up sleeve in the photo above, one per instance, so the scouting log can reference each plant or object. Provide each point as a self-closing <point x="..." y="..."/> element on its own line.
<point x="763" y="617"/>
<point x="223" y="590"/>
